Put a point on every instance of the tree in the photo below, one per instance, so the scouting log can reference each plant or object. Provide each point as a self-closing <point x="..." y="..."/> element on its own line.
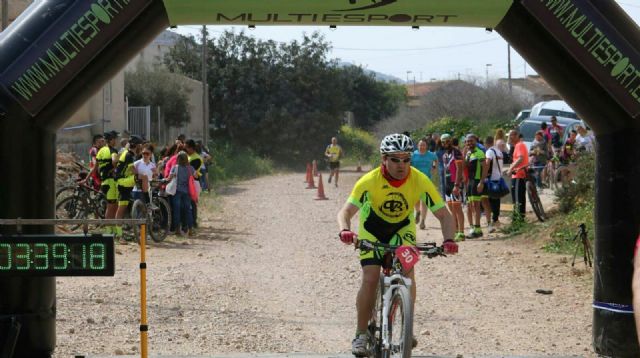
<point x="158" y="88"/>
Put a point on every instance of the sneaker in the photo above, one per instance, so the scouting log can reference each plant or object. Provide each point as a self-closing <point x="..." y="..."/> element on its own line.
<point x="471" y="233"/>
<point x="414" y="342"/>
<point x="459" y="237"/>
<point x="360" y="346"/>
<point x="491" y="229"/>
<point x="477" y="232"/>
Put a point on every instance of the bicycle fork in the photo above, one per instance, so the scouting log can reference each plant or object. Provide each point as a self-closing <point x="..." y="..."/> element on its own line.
<point x="389" y="289"/>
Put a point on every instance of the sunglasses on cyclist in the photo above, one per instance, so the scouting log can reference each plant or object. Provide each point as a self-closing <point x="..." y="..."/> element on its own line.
<point x="398" y="160"/>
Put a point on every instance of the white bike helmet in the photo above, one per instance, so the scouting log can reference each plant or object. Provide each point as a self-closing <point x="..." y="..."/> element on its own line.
<point x="396" y="143"/>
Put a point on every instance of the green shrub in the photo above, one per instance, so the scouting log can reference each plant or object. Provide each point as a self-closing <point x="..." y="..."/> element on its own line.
<point x="580" y="191"/>
<point x="232" y="163"/>
<point x="361" y="147"/>
<point x="459" y="127"/>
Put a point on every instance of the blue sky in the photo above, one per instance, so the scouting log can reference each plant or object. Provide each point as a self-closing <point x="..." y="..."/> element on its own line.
<point x="428" y="53"/>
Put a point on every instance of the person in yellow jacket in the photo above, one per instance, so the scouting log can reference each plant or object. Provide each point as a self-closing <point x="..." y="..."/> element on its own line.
<point x="125" y="178"/>
<point x="107" y="159"/>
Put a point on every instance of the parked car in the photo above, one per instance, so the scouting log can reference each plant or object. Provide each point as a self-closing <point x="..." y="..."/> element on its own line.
<point x="553" y="108"/>
<point x="522" y="115"/>
<point x="531" y="125"/>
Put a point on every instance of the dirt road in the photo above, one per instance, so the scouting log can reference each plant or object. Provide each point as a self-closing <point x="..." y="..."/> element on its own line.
<point x="266" y="274"/>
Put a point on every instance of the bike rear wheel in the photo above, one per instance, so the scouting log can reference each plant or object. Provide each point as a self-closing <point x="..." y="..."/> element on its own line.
<point x="161" y="223"/>
<point x="400" y="324"/>
<point x="72" y="207"/>
<point x="534" y="199"/>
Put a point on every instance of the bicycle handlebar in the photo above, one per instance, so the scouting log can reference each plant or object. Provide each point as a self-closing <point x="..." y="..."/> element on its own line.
<point x="429" y="249"/>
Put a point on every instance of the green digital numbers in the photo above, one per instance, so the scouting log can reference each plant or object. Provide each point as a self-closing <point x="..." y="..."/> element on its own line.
<point x="5" y="257"/>
<point x="23" y="260"/>
<point x="96" y="256"/>
<point x="59" y="254"/>
<point x="41" y="256"/>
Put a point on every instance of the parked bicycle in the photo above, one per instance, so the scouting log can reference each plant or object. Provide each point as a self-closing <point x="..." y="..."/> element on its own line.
<point x="532" y="193"/>
<point x="80" y="201"/>
<point x="390" y="328"/>
<point x="157" y="212"/>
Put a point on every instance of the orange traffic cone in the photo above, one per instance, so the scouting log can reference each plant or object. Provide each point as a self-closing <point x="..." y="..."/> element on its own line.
<point x="320" y="195"/>
<point x="310" y="184"/>
<point x="315" y="168"/>
<point x="307" y="174"/>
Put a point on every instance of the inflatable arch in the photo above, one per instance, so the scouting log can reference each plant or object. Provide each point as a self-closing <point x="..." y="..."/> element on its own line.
<point x="59" y="52"/>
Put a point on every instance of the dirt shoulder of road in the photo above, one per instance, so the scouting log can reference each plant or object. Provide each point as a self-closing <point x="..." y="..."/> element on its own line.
<point x="266" y="274"/>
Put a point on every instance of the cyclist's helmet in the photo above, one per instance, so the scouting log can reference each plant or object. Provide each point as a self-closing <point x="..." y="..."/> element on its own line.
<point x="111" y="135"/>
<point x="396" y="143"/>
<point x="135" y="140"/>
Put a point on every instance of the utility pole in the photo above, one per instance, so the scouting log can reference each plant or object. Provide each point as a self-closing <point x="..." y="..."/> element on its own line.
<point x="509" y="66"/>
<point x="5" y="14"/>
<point x="205" y="89"/>
<point x="487" y="73"/>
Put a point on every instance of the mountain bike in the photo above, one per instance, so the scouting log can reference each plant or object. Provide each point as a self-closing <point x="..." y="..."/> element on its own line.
<point x="390" y="328"/>
<point x="80" y="201"/>
<point x="532" y="193"/>
<point x="157" y="212"/>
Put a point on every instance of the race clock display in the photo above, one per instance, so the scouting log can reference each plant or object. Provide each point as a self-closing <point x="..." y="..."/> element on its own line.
<point x="56" y="255"/>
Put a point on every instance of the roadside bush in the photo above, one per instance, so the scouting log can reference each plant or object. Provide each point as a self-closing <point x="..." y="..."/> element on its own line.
<point x="459" y="127"/>
<point x="231" y="163"/>
<point x="360" y="146"/>
<point x="581" y="190"/>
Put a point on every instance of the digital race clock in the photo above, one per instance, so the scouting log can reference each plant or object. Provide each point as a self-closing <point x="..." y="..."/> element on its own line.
<point x="56" y="255"/>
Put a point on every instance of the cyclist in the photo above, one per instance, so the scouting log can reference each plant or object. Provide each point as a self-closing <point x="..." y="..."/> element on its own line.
<point x="125" y="176"/>
<point x="453" y="174"/>
<point x="98" y="143"/>
<point x="334" y="153"/>
<point x="385" y="198"/>
<point x="474" y="160"/>
<point x="107" y="159"/>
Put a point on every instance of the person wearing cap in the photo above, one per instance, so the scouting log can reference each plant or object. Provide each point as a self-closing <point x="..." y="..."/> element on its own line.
<point x="385" y="198"/>
<point x="125" y="177"/>
<point x="453" y="161"/>
<point x="107" y="159"/>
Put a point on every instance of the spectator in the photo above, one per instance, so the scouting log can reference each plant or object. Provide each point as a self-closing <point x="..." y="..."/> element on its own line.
<point x="124" y="146"/>
<point x="569" y="148"/>
<point x="494" y="160"/>
<point x="196" y="162"/>
<point x="98" y="143"/>
<point x="546" y="136"/>
<point x="556" y="132"/>
<point x="585" y="141"/>
<point x="538" y="156"/>
<point x="474" y="161"/>
<point x="145" y="170"/>
<point x="206" y="158"/>
<point x="452" y="159"/>
<point x="181" y="201"/>
<point x="423" y="160"/>
<point x="500" y="140"/>
<point x="439" y="152"/>
<point x="518" y="174"/>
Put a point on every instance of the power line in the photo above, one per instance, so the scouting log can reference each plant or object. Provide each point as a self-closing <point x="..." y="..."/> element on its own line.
<point x="415" y="49"/>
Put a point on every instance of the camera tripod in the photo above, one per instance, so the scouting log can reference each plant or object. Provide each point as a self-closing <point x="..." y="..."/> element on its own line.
<point x="586" y="246"/>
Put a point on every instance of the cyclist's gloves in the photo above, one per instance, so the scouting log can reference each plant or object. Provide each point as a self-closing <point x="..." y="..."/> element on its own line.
<point x="450" y="247"/>
<point x="347" y="236"/>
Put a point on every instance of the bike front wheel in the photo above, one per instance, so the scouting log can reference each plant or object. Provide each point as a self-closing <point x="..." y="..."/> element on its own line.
<point x="161" y="219"/>
<point x="400" y="324"/>
<point x="534" y="199"/>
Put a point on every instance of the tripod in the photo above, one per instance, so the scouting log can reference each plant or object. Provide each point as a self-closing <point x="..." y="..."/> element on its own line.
<point x="586" y="246"/>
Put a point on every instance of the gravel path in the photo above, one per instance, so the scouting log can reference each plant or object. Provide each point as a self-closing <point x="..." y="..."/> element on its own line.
<point x="266" y="274"/>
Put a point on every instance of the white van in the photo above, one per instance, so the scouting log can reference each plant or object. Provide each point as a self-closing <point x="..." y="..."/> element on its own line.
<point x="553" y="108"/>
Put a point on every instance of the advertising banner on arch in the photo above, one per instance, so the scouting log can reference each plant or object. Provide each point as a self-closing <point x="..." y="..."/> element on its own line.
<point x="594" y="42"/>
<point x="471" y="13"/>
<point x="70" y="42"/>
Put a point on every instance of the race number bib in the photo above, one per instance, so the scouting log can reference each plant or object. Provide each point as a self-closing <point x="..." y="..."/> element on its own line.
<point x="408" y="257"/>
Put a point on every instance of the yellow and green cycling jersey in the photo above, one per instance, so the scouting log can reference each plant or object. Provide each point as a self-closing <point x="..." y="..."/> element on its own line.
<point x="386" y="212"/>
<point x="124" y="172"/>
<point x="195" y="160"/>
<point x="105" y="164"/>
